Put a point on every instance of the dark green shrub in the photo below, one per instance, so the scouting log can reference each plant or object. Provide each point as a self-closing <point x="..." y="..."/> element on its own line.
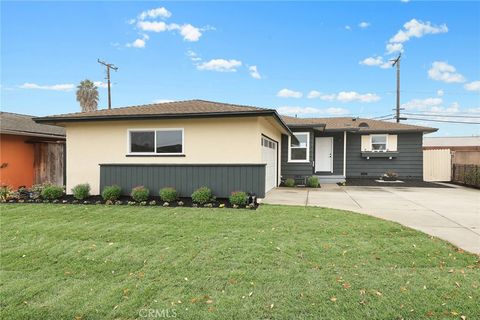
<point x="52" y="192"/>
<point x="140" y="194"/>
<point x="289" y="183"/>
<point x="312" y="182"/>
<point x="111" y="193"/>
<point x="202" y="195"/>
<point x="168" y="194"/>
<point x="81" y="191"/>
<point x="238" y="198"/>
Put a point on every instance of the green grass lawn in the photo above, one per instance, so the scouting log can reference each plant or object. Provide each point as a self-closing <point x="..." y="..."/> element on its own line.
<point x="278" y="262"/>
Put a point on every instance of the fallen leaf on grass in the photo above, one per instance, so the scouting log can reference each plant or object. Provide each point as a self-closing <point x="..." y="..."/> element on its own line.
<point x="333" y="299"/>
<point x="430" y="314"/>
<point x="271" y="306"/>
<point x="346" y="285"/>
<point x="378" y="293"/>
<point x="457" y="284"/>
<point x="209" y="301"/>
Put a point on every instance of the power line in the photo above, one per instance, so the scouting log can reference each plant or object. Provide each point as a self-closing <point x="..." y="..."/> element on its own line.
<point x="439" y="115"/>
<point x="447" y="121"/>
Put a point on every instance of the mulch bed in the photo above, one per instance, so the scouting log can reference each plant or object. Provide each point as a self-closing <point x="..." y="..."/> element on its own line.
<point x="128" y="201"/>
<point x="406" y="183"/>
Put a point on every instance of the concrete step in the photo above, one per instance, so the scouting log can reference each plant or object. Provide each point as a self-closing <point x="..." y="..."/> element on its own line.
<point x="331" y="179"/>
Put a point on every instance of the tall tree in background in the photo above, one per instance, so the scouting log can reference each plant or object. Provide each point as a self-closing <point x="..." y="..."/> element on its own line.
<point x="87" y="95"/>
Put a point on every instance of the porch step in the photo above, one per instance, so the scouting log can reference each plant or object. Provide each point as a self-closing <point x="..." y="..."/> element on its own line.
<point x="331" y="179"/>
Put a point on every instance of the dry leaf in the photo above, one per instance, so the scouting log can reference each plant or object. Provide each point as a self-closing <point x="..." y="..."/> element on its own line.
<point x="463" y="317"/>
<point x="378" y="293"/>
<point x="209" y="301"/>
<point x="457" y="284"/>
<point x="271" y="306"/>
<point x="333" y="299"/>
<point x="194" y="300"/>
<point x="346" y="285"/>
<point x="250" y="294"/>
<point x="430" y="314"/>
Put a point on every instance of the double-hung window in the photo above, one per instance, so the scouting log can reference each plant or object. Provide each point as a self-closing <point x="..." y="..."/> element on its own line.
<point x="379" y="142"/>
<point x="298" y="150"/>
<point x="155" y="141"/>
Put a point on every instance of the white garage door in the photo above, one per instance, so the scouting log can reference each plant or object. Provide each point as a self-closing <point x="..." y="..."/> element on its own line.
<point x="269" y="156"/>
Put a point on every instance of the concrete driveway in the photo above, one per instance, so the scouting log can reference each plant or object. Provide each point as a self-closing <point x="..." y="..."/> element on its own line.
<point x="452" y="214"/>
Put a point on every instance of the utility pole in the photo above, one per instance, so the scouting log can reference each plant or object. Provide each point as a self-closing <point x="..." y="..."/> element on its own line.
<point x="397" y="63"/>
<point x="109" y="66"/>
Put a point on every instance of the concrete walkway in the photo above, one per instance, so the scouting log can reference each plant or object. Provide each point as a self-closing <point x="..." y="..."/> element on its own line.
<point x="452" y="214"/>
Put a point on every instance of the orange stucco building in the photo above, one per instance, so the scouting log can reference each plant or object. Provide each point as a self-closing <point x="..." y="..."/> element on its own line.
<point x="29" y="152"/>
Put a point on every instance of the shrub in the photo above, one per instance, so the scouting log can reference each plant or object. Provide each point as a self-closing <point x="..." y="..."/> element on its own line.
<point x="238" y="198"/>
<point x="140" y="194"/>
<point x="5" y="192"/>
<point x="168" y="194"/>
<point x="111" y="193"/>
<point x="202" y="195"/>
<point x="289" y="183"/>
<point x="81" y="191"/>
<point x="312" y="182"/>
<point x="52" y="192"/>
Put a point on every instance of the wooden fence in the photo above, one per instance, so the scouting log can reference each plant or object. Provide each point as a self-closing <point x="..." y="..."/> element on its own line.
<point x="468" y="174"/>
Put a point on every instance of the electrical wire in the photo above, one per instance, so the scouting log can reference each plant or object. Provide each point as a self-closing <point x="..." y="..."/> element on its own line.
<point x="440" y="115"/>
<point x="447" y="121"/>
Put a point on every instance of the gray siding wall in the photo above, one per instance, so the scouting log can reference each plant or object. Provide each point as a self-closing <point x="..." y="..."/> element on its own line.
<point x="408" y="163"/>
<point x="307" y="169"/>
<point x="222" y="179"/>
<point x="292" y="169"/>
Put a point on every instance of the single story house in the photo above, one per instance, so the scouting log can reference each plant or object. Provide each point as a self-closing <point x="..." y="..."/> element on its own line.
<point x="188" y="144"/>
<point x="30" y="153"/>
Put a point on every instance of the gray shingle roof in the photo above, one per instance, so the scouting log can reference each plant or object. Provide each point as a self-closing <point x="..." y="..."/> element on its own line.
<point x="21" y="124"/>
<point x="355" y="124"/>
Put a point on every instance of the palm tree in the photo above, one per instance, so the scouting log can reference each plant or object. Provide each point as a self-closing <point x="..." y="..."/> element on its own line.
<point x="87" y="95"/>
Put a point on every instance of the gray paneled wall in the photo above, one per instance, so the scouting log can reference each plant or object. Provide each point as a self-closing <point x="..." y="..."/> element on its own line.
<point x="408" y="163"/>
<point x="221" y="178"/>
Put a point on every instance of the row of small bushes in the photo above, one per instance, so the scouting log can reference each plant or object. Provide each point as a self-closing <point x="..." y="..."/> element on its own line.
<point x="139" y="194"/>
<point x="312" y="182"/>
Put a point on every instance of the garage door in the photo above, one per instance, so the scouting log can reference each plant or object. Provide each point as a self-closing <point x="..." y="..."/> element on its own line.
<point x="269" y="156"/>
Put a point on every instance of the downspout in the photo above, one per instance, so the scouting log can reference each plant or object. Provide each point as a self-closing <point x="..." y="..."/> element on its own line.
<point x="345" y="154"/>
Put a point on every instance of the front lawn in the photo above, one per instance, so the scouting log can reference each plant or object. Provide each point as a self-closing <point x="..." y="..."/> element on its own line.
<point x="278" y="262"/>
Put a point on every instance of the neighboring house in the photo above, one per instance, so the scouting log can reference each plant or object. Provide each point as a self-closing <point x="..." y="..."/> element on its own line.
<point x="188" y="144"/>
<point x="30" y="152"/>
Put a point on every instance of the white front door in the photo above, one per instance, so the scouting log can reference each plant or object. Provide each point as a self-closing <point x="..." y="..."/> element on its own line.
<point x="324" y="154"/>
<point x="269" y="157"/>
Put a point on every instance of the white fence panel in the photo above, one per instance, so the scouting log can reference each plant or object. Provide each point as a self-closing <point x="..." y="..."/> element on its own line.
<point x="437" y="165"/>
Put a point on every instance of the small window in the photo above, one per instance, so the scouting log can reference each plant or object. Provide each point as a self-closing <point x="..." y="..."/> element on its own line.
<point x="159" y="141"/>
<point x="379" y="142"/>
<point x="298" y="151"/>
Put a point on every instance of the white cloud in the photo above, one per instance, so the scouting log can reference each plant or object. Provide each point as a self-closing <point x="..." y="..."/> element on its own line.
<point x="440" y="93"/>
<point x="344" y="96"/>
<point x="348" y="96"/>
<point x="376" y="61"/>
<point x="442" y="71"/>
<point x="138" y="43"/>
<point x="100" y="84"/>
<point x="254" y="72"/>
<point x="417" y="29"/>
<point x="155" y="13"/>
<point x="55" y="87"/>
<point x="221" y="65"/>
<point x="289" y="110"/>
<point x="152" y="26"/>
<point x="423" y="104"/>
<point x="413" y="29"/>
<point x="287" y="93"/>
<point x="473" y="86"/>
<point x="347" y="27"/>
<point x="190" y="33"/>
<point x="162" y="101"/>
<point x="474" y="110"/>
<point x="364" y="24"/>
<point x="394" y="47"/>
<point x="193" y="56"/>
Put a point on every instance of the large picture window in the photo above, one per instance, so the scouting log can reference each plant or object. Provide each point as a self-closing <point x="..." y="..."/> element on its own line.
<point x="379" y="142"/>
<point x="156" y="141"/>
<point x="298" y="150"/>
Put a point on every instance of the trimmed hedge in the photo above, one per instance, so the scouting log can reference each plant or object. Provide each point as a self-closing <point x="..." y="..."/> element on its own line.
<point x="111" y="193"/>
<point x="168" y="194"/>
<point x="202" y="195"/>
<point x="140" y="194"/>
<point x="52" y="192"/>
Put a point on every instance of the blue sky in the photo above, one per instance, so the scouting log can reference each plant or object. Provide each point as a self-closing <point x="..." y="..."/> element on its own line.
<point x="313" y="59"/>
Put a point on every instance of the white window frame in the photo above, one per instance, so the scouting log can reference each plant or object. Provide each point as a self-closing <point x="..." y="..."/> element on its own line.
<point x="379" y="135"/>
<point x="155" y="141"/>
<point x="290" y="148"/>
